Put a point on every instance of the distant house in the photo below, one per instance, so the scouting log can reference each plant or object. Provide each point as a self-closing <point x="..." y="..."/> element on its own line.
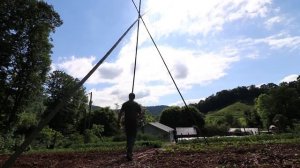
<point x="186" y="132"/>
<point x="159" y="130"/>
<point x="239" y="131"/>
<point x="273" y="129"/>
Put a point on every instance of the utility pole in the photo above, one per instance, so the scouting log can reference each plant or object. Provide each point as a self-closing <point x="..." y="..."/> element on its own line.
<point x="90" y="110"/>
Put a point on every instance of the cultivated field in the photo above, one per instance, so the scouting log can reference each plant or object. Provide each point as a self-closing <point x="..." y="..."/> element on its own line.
<point x="244" y="152"/>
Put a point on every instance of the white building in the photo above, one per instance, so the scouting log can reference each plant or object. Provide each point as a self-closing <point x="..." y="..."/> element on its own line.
<point x="252" y="131"/>
<point x="159" y="130"/>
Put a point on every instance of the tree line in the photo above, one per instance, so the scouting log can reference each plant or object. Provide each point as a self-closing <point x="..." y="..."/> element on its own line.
<point x="221" y="99"/>
<point x="262" y="106"/>
<point x="273" y="104"/>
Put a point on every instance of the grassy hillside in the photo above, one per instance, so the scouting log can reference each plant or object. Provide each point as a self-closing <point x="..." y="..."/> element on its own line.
<point x="156" y="110"/>
<point x="235" y="110"/>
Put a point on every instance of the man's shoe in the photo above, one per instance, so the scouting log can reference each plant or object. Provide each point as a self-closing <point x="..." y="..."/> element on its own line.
<point x="129" y="158"/>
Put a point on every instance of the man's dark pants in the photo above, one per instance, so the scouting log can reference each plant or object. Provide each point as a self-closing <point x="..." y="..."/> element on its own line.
<point x="130" y="137"/>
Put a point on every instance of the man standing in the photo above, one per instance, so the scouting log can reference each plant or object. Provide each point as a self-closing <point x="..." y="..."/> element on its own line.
<point x="132" y="111"/>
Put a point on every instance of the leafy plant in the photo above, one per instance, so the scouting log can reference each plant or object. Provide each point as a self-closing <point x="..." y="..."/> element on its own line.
<point x="50" y="138"/>
<point x="94" y="134"/>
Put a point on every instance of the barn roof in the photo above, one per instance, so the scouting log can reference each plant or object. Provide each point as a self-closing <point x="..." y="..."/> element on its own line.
<point x="243" y="129"/>
<point x="186" y="131"/>
<point x="161" y="126"/>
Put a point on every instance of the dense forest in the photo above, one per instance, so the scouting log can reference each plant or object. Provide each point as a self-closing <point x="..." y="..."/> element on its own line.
<point x="243" y="106"/>
<point x="245" y="94"/>
<point x="272" y="104"/>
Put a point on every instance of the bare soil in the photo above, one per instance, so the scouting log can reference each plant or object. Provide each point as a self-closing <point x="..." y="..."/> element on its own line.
<point x="270" y="155"/>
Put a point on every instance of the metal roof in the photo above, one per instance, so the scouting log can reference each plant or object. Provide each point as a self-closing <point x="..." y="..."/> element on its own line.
<point x="186" y="131"/>
<point x="251" y="130"/>
<point x="161" y="126"/>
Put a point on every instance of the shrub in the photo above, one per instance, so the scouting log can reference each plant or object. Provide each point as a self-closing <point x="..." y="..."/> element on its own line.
<point x="7" y="142"/>
<point x="90" y="137"/>
<point x="145" y="137"/>
<point x="94" y="134"/>
<point x="73" y="139"/>
<point x="152" y="144"/>
<point x="119" y="138"/>
<point x="50" y="138"/>
<point x="215" y="130"/>
<point x="2" y="144"/>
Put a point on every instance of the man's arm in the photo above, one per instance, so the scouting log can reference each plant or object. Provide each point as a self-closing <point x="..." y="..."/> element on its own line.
<point x="121" y="113"/>
<point x="139" y="110"/>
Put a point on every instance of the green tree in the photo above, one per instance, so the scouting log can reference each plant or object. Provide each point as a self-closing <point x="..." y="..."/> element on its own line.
<point x="25" y="50"/>
<point x="267" y="87"/>
<point x="231" y="121"/>
<point x="286" y="101"/>
<point x="280" y="100"/>
<point x="252" y="118"/>
<point x="27" y="121"/>
<point x="298" y="84"/>
<point x="280" y="121"/>
<point x="147" y="116"/>
<point x="182" y="117"/>
<point x="294" y="84"/>
<point x="49" y="138"/>
<point x="107" y="118"/>
<point x="94" y="134"/>
<point x="263" y="105"/>
<point x="227" y="97"/>
<point x="67" y="119"/>
<point x="171" y="116"/>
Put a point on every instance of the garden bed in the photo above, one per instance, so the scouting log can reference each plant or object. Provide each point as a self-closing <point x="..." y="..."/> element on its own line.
<point x="254" y="155"/>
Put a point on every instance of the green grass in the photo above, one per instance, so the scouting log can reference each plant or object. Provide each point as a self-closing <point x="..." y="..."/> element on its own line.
<point x="218" y="143"/>
<point x="215" y="143"/>
<point x="100" y="146"/>
<point x="236" y="110"/>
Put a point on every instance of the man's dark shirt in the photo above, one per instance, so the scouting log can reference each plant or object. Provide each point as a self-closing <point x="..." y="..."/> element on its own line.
<point x="131" y="110"/>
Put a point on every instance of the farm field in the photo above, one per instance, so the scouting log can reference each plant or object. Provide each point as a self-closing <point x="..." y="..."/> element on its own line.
<point x="77" y="87"/>
<point x="247" y="155"/>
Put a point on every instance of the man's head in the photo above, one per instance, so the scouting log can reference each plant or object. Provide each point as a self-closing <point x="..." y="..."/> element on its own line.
<point x="131" y="96"/>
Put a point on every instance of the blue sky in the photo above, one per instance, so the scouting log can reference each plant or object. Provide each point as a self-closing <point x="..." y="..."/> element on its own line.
<point x="209" y="46"/>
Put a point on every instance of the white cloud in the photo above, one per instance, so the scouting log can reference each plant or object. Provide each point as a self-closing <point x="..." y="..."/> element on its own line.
<point x="77" y="67"/>
<point x="152" y="79"/>
<point x="52" y="67"/>
<point x="200" y="17"/>
<point x="277" y="41"/>
<point x="110" y="71"/>
<point x="272" y="21"/>
<point x="253" y="55"/>
<point x="181" y="71"/>
<point x="289" y="78"/>
<point x="190" y="66"/>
